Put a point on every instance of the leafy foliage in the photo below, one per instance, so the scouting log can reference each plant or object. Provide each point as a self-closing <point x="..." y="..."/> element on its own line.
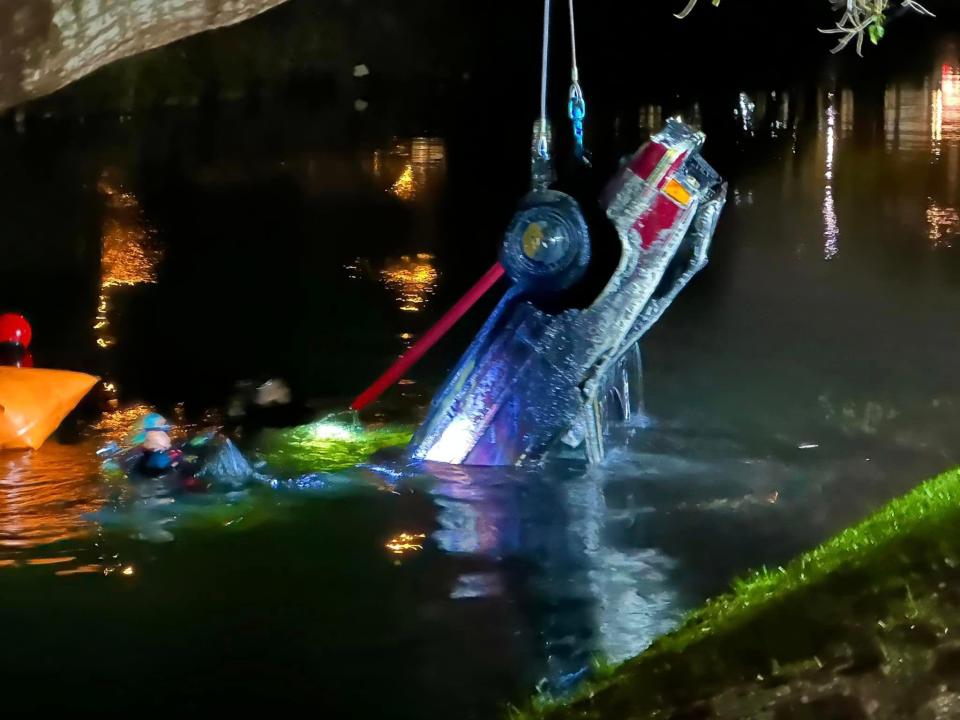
<point x="860" y="19"/>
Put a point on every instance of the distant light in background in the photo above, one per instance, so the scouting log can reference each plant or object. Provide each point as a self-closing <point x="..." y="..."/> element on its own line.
<point x="936" y="126"/>
<point x="847" y="113"/>
<point x="651" y="117"/>
<point x="745" y="112"/>
<point x="943" y="219"/>
<point x="742" y="198"/>
<point x="355" y="269"/>
<point x="907" y="117"/>
<point x="692" y="116"/>
<point x="418" y="167"/>
<point x="782" y="119"/>
<point x="950" y="79"/>
<point x="922" y="117"/>
<point x="945" y="109"/>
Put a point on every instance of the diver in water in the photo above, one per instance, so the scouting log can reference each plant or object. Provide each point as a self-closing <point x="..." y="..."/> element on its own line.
<point x="157" y="454"/>
<point x="204" y="459"/>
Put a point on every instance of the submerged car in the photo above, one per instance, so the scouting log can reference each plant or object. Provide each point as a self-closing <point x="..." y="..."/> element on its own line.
<point x="537" y="381"/>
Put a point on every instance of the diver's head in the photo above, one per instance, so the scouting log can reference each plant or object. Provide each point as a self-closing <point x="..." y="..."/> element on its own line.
<point x="149" y="423"/>
<point x="154" y="421"/>
<point x="156" y="441"/>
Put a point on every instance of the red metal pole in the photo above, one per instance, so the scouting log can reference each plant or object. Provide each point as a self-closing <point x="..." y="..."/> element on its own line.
<point x="406" y="361"/>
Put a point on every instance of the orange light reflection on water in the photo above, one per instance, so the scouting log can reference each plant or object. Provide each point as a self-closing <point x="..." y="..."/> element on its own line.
<point x="425" y="164"/>
<point x="114" y="425"/>
<point x="45" y="496"/>
<point x="128" y="254"/>
<point x="413" y="280"/>
<point x="405" y="543"/>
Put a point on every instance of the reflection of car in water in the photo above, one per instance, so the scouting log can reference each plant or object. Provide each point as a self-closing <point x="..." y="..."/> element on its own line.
<point x="534" y="381"/>
<point x="560" y="556"/>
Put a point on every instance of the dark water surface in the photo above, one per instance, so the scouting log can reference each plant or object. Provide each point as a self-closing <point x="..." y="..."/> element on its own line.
<point x="807" y="375"/>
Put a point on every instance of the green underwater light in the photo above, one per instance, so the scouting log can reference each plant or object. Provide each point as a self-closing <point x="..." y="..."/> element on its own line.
<point x="327" y="445"/>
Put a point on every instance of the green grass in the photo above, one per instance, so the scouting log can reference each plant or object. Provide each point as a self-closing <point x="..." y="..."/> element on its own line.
<point x="327" y="446"/>
<point x="869" y="577"/>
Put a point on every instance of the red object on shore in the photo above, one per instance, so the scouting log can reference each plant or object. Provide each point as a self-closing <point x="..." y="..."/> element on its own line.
<point x="406" y="361"/>
<point x="15" y="330"/>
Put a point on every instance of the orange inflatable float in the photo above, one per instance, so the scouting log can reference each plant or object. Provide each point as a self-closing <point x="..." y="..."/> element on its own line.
<point x="34" y="402"/>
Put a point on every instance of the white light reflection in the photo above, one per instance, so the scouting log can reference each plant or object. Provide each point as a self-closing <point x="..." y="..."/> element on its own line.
<point x="943" y="224"/>
<point x="455" y="442"/>
<point x="619" y="597"/>
<point x="745" y="112"/>
<point x="943" y="219"/>
<point x="831" y="232"/>
<point x="782" y="120"/>
<point x="742" y="198"/>
<point x="936" y="125"/>
<point x="945" y="110"/>
<point x="907" y="117"/>
<point x="651" y="118"/>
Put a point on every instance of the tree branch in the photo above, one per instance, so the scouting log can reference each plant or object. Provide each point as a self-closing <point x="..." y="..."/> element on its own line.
<point x="46" y="44"/>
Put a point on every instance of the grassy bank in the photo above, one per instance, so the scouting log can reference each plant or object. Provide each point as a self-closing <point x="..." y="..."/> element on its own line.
<point x="862" y="623"/>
